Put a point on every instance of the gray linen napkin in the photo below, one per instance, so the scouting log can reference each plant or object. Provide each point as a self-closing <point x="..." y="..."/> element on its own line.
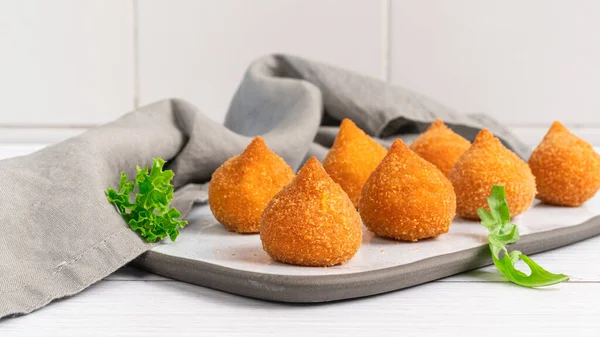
<point x="60" y="234"/>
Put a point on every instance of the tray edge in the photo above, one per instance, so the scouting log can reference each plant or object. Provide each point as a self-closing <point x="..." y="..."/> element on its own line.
<point x="314" y="289"/>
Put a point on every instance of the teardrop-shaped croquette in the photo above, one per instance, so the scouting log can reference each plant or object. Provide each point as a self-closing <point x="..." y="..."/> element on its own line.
<point x="566" y="168"/>
<point x="352" y="158"/>
<point x="440" y="146"/>
<point x="311" y="221"/>
<point x="486" y="163"/>
<point x="407" y="198"/>
<point x="241" y="188"/>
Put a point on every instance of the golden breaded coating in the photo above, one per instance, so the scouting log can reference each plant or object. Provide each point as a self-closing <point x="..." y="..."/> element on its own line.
<point x="311" y="221"/>
<point x="487" y="162"/>
<point x="241" y="188"/>
<point x="407" y="198"/>
<point x="440" y="146"/>
<point x="566" y="168"/>
<point x="352" y="158"/>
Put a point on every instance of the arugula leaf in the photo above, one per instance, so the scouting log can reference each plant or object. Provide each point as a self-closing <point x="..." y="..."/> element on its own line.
<point x="503" y="233"/>
<point x="150" y="214"/>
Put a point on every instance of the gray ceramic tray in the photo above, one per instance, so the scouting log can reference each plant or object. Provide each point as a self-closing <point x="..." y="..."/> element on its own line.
<point x="208" y="255"/>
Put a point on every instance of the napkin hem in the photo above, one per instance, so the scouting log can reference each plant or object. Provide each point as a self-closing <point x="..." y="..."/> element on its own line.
<point x="72" y="277"/>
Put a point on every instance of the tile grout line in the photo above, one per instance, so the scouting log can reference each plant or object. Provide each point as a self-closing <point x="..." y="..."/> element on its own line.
<point x="33" y="126"/>
<point x="85" y="126"/>
<point x="385" y="40"/>
<point x="136" y="56"/>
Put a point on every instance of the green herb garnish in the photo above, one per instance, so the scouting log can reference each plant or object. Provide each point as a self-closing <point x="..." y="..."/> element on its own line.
<point x="502" y="233"/>
<point x="150" y="214"/>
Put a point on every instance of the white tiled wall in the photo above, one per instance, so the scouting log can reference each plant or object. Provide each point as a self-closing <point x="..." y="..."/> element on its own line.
<point x="521" y="61"/>
<point x="199" y="50"/>
<point x="65" y="62"/>
<point x="69" y="64"/>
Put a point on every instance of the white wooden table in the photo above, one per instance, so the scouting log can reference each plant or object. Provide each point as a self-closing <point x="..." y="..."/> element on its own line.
<point x="480" y="303"/>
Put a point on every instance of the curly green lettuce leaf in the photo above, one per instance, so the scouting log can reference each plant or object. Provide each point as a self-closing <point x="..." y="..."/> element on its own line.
<point x="150" y="214"/>
<point x="503" y="233"/>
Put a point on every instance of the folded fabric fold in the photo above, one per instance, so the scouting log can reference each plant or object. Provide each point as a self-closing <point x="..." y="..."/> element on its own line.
<point x="61" y="235"/>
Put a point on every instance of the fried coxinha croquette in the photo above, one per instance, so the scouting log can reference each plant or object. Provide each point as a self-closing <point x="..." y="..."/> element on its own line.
<point x="241" y="188"/>
<point x="566" y="168"/>
<point x="487" y="162"/>
<point x="352" y="158"/>
<point x="440" y="146"/>
<point x="407" y="198"/>
<point x="311" y="221"/>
